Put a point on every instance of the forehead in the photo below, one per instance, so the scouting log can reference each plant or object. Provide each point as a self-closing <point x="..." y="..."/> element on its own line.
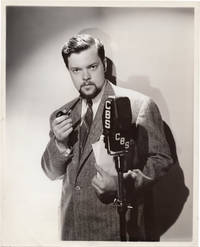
<point x="84" y="58"/>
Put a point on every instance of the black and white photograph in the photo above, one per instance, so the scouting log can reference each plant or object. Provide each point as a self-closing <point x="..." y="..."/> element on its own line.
<point x="100" y="130"/>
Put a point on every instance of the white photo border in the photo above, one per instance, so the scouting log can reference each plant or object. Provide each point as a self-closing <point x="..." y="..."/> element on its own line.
<point x="103" y="3"/>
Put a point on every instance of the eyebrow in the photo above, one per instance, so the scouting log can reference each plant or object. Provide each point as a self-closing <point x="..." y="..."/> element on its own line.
<point x="76" y="67"/>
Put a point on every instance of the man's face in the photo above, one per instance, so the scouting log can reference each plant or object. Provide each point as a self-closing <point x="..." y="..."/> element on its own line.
<point x="87" y="72"/>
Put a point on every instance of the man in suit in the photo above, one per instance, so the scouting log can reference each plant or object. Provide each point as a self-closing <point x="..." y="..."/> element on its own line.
<point x="87" y="211"/>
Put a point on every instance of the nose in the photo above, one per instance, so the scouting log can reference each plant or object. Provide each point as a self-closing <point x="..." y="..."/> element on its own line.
<point x="86" y="75"/>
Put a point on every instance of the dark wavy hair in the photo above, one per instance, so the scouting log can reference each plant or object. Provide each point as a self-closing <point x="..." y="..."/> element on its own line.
<point x="80" y="43"/>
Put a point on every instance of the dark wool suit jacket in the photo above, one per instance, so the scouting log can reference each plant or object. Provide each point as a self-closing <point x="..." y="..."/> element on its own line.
<point x="83" y="215"/>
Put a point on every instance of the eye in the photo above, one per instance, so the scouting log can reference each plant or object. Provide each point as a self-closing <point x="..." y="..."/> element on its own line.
<point x="75" y="70"/>
<point x="93" y="66"/>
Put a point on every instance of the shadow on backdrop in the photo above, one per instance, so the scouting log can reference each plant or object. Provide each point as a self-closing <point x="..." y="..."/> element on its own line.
<point x="142" y="84"/>
<point x="163" y="204"/>
<point x="110" y="73"/>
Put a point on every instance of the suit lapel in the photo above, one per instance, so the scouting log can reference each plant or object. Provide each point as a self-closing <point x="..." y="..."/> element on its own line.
<point x="76" y="118"/>
<point x="76" y="113"/>
<point x="96" y="128"/>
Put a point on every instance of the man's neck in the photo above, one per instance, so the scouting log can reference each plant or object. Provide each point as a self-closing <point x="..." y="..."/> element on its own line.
<point x="99" y="95"/>
<point x="96" y="101"/>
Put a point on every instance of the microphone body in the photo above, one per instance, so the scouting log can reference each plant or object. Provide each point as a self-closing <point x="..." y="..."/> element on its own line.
<point x="117" y="125"/>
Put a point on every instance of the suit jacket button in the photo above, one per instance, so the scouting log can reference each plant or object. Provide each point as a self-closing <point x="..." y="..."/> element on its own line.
<point x="77" y="187"/>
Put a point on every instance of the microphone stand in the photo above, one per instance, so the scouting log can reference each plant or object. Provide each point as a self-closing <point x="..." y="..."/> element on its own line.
<point x="120" y="202"/>
<point x="117" y="130"/>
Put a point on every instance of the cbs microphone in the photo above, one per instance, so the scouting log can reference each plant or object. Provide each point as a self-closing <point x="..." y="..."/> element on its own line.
<point x="117" y="125"/>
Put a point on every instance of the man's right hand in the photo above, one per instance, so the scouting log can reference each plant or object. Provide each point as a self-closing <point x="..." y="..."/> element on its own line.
<point x="62" y="127"/>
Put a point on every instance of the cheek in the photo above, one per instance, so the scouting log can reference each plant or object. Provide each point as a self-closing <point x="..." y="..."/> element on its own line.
<point x="99" y="74"/>
<point x="100" y="77"/>
<point x="76" y="81"/>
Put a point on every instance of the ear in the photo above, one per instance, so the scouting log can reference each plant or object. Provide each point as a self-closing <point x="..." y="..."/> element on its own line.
<point x="105" y="64"/>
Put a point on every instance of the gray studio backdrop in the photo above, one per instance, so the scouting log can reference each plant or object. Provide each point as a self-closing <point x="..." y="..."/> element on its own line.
<point x="150" y="49"/>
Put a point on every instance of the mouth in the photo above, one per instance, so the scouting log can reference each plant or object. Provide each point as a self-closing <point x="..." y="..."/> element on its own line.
<point x="89" y="90"/>
<point x="87" y="86"/>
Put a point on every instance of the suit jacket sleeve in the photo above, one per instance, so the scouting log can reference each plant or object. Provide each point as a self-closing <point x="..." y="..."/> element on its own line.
<point x="54" y="163"/>
<point x="152" y="148"/>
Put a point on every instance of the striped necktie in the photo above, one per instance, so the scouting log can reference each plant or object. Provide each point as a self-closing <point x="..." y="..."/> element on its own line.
<point x="86" y="125"/>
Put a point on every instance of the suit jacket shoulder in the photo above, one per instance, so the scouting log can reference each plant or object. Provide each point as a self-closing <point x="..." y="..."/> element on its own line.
<point x="137" y="99"/>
